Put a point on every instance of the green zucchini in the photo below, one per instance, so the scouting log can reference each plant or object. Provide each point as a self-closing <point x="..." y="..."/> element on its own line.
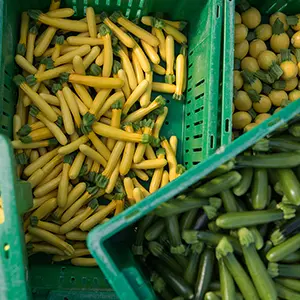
<point x="292" y="258"/>
<point x="218" y="184"/>
<point x="277" y="144"/>
<point x="252" y="218"/>
<point x="227" y="284"/>
<point x="261" y="279"/>
<point x="228" y="166"/>
<point x="283" y="270"/>
<point x="205" y="272"/>
<point x="243" y="186"/>
<point x="211" y="296"/>
<point x="290" y="283"/>
<point x="212" y="239"/>
<point x="176" y="282"/>
<point x="286" y="293"/>
<point x="294" y="130"/>
<point x="286" y="230"/>
<point x="172" y="227"/>
<point x="229" y="201"/>
<point x="155" y="230"/>
<point x="190" y="273"/>
<point x="188" y="219"/>
<point x="270" y="161"/>
<point x="259" y="192"/>
<point x="158" y="250"/>
<point x="183" y="204"/>
<point x="137" y="247"/>
<point x="258" y="239"/>
<point x="284" y="249"/>
<point x="289" y="185"/>
<point x="224" y="251"/>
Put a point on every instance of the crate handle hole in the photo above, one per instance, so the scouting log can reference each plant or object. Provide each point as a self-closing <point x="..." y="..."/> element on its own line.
<point x="6" y="249"/>
<point x="218" y="11"/>
<point x="227" y="123"/>
<point x="198" y="123"/>
<point x="197" y="136"/>
<point x="199" y="109"/>
<point x="200" y="82"/>
<point x="212" y="139"/>
<point x="199" y="96"/>
<point x="197" y="149"/>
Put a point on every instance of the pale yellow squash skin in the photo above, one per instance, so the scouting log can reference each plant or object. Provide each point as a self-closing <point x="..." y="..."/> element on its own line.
<point x="264" y="104"/>
<point x="279" y="41"/>
<point x="242" y="101"/>
<point x="291" y="84"/>
<point x="261" y="117"/>
<point x="240" y="33"/>
<point x="256" y="47"/>
<point x="249" y="127"/>
<point x="237" y="80"/>
<point x="237" y="18"/>
<point x="251" y="18"/>
<point x="297" y="26"/>
<point x="290" y="70"/>
<point x="257" y="86"/>
<point x="265" y="59"/>
<point x="294" y="95"/>
<point x="298" y="65"/>
<point x="241" y="49"/>
<point x="264" y="32"/>
<point x="295" y="40"/>
<point x="282" y="17"/>
<point x="250" y="64"/>
<point x="241" y="119"/>
<point x="277" y="110"/>
<point x="277" y="97"/>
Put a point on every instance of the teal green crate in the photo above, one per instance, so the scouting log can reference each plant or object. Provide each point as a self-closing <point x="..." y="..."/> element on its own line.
<point x="194" y="122"/>
<point x="111" y="248"/>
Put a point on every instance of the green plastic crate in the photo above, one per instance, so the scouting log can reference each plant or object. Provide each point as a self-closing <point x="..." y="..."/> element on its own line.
<point x="194" y="122"/>
<point x="120" y="267"/>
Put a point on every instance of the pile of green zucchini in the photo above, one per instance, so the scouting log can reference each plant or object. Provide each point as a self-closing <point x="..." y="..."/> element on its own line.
<point x="233" y="235"/>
